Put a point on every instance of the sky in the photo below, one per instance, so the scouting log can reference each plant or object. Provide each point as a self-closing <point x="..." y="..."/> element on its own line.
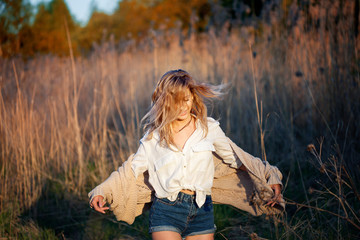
<point x="80" y="9"/>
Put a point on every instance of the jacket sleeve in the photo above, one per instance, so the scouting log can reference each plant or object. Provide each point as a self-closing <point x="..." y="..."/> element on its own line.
<point x="120" y="191"/>
<point x="106" y="188"/>
<point x="262" y="175"/>
<point x="258" y="168"/>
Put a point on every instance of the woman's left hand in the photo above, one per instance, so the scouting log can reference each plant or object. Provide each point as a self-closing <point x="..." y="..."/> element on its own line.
<point x="277" y="195"/>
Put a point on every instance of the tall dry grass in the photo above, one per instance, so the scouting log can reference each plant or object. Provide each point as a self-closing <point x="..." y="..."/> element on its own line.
<point x="72" y="121"/>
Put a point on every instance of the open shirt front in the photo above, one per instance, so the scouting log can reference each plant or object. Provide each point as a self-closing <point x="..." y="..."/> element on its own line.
<point x="171" y="170"/>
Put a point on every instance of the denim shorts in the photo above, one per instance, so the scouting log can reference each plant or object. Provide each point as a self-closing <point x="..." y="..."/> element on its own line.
<point x="182" y="216"/>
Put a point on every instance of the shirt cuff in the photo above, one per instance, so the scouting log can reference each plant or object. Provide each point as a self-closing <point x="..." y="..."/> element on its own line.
<point x="274" y="179"/>
<point x="96" y="192"/>
<point x="237" y="163"/>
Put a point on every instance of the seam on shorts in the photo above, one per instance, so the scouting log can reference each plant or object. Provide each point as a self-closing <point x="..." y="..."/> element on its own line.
<point x="161" y="228"/>
<point x="169" y="204"/>
<point x="208" y="231"/>
<point x="188" y="218"/>
<point x="152" y="212"/>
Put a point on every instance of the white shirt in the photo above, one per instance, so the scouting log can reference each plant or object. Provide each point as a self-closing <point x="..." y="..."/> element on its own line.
<point x="172" y="170"/>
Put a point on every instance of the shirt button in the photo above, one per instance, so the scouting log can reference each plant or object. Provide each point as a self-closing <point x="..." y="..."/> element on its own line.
<point x="184" y="166"/>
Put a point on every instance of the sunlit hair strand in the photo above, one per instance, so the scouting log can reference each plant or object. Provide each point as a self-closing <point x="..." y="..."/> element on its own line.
<point x="167" y="98"/>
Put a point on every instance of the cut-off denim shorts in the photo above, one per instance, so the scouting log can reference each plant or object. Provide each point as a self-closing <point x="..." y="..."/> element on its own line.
<point x="182" y="216"/>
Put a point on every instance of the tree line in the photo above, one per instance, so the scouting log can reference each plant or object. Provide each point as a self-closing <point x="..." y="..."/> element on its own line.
<point x="51" y="27"/>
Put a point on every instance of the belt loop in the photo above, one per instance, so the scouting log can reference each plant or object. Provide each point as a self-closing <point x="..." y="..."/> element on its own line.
<point x="180" y="196"/>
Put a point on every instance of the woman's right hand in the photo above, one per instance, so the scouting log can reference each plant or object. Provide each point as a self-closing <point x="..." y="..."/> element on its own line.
<point x="98" y="204"/>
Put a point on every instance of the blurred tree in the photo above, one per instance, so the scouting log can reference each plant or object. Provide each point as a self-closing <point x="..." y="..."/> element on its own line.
<point x="14" y="18"/>
<point x="50" y="33"/>
<point x="132" y="19"/>
<point x="42" y="27"/>
<point x="26" y="45"/>
<point x="356" y="17"/>
<point x="192" y="14"/>
<point x="97" y="30"/>
<point x="242" y="8"/>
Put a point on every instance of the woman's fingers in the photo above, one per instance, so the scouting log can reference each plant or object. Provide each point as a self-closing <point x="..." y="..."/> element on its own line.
<point x="98" y="203"/>
<point x="276" y="188"/>
<point x="273" y="201"/>
<point x="277" y="195"/>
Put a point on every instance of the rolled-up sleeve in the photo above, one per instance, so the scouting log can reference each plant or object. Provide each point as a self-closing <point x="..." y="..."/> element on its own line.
<point x="274" y="176"/>
<point x="140" y="162"/>
<point x="222" y="146"/>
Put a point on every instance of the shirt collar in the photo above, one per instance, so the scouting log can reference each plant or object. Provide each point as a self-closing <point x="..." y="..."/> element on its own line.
<point x="156" y="134"/>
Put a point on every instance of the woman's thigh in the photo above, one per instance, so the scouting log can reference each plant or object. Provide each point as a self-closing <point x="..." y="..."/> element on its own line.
<point x="201" y="237"/>
<point x="166" y="235"/>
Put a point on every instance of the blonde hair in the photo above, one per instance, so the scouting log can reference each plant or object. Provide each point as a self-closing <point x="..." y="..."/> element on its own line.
<point x="167" y="98"/>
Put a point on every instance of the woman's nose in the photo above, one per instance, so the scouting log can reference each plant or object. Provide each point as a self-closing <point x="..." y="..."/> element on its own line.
<point x="183" y="106"/>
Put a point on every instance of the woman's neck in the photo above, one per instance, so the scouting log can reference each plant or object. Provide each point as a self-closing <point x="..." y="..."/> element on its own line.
<point x="179" y="125"/>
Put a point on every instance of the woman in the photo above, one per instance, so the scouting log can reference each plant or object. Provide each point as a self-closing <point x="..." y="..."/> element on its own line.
<point x="177" y="152"/>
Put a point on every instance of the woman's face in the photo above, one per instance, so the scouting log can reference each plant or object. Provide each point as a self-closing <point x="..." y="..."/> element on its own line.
<point x="186" y="106"/>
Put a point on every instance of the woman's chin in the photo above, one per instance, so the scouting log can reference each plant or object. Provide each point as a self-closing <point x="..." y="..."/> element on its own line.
<point x="183" y="117"/>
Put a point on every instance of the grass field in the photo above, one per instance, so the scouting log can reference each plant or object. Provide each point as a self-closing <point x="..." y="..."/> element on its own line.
<point x="67" y="123"/>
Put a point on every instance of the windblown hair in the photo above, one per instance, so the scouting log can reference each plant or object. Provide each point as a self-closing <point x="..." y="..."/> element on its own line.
<point x="167" y="99"/>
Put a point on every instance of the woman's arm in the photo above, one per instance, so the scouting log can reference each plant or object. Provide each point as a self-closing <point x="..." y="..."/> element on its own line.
<point x="275" y="187"/>
<point x="277" y="195"/>
<point x="243" y="168"/>
<point x="99" y="195"/>
<point x="226" y="152"/>
<point x="263" y="170"/>
<point x="140" y="162"/>
<point x="221" y="144"/>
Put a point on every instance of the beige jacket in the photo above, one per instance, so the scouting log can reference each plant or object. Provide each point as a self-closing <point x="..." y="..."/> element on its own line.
<point x="249" y="191"/>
